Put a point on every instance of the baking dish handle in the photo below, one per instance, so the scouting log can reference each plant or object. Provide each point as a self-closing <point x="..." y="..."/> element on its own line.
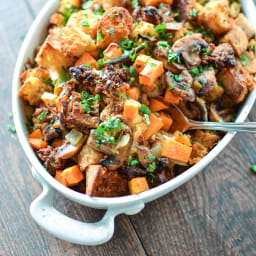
<point x="71" y="230"/>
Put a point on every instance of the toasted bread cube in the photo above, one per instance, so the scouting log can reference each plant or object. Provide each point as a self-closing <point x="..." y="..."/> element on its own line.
<point x="138" y="185"/>
<point x="104" y="183"/>
<point x="215" y="17"/>
<point x="245" y="25"/>
<point x="34" y="85"/>
<point x="85" y="21"/>
<point x="115" y="24"/>
<point x="57" y="19"/>
<point x="237" y="38"/>
<point x="250" y="65"/>
<point x="62" y="46"/>
<point x="65" y="4"/>
<point x="88" y="156"/>
<point x="144" y="28"/>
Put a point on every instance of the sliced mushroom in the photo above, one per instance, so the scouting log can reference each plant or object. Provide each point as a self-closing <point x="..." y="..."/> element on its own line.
<point x="161" y="53"/>
<point x="183" y="7"/>
<point x="216" y="114"/>
<point x="144" y="155"/>
<point x="207" y="80"/>
<point x="196" y="110"/>
<point x="182" y="87"/>
<point x="190" y="48"/>
<point x="173" y="26"/>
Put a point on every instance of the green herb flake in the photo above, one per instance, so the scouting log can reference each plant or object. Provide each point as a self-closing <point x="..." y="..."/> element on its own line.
<point x="111" y="16"/>
<point x="88" y="102"/>
<point x="87" y="65"/>
<point x="144" y="109"/>
<point x="150" y="157"/>
<point x="243" y="59"/>
<point x="111" y="31"/>
<point x="194" y="72"/>
<point x="68" y="12"/>
<point x="11" y="128"/>
<point x="100" y="35"/>
<point x="64" y="77"/>
<point x="193" y="12"/>
<point x="135" y="4"/>
<point x="41" y="116"/>
<point x="162" y="45"/>
<point x="151" y="168"/>
<point x="161" y="31"/>
<point x="180" y="134"/>
<point x="171" y="86"/>
<point x="146" y="116"/>
<point x="10" y="115"/>
<point x="87" y="5"/>
<point x="253" y="168"/>
<point x="108" y="131"/>
<point x="85" y="23"/>
<point x="173" y="57"/>
<point x="133" y="163"/>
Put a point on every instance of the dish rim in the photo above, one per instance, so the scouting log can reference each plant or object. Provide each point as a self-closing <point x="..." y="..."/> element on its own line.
<point x="33" y="37"/>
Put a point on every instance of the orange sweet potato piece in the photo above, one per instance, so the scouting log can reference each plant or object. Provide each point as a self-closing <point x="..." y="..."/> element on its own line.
<point x="113" y="50"/>
<point x="156" y="2"/>
<point x="153" y="69"/>
<point x="171" y="98"/>
<point x="156" y="124"/>
<point x="72" y="175"/>
<point x="59" y="177"/>
<point x="49" y="100"/>
<point x="37" y="134"/>
<point x="133" y="93"/>
<point x="182" y="138"/>
<point x="140" y="62"/>
<point x="156" y="105"/>
<point x="138" y="185"/>
<point x="37" y="143"/>
<point x="131" y="109"/>
<point x="167" y="121"/>
<point x="175" y="150"/>
<point x="86" y="58"/>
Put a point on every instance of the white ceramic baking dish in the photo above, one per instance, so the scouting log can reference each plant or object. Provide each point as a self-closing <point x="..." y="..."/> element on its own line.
<point x="42" y="209"/>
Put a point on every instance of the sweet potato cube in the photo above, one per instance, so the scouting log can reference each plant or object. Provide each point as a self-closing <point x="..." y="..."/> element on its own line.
<point x="37" y="143"/>
<point x="167" y="121"/>
<point x="86" y="58"/>
<point x="112" y="51"/>
<point x="156" y="2"/>
<point x="156" y="124"/>
<point x="131" y="109"/>
<point x="133" y="93"/>
<point x="156" y="105"/>
<point x="182" y="138"/>
<point x="175" y="150"/>
<point x="60" y="178"/>
<point x="151" y="72"/>
<point x="73" y="175"/>
<point x="140" y="62"/>
<point x="138" y="185"/>
<point x="171" y="98"/>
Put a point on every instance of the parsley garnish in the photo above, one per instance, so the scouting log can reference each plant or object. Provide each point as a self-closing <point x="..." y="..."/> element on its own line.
<point x="133" y="163"/>
<point x="100" y="35"/>
<point x="41" y="116"/>
<point x="150" y="157"/>
<point x="108" y="131"/>
<point x="172" y="56"/>
<point x="253" y="168"/>
<point x="163" y="45"/>
<point x="144" y="109"/>
<point x="85" y="23"/>
<point x="146" y="116"/>
<point x="193" y="12"/>
<point x="177" y="78"/>
<point x="11" y="128"/>
<point x="111" y="31"/>
<point x="87" y="65"/>
<point x="171" y="86"/>
<point x="64" y="77"/>
<point x="87" y="102"/>
<point x="135" y="4"/>
<point x="161" y="31"/>
<point x="67" y="13"/>
<point x="243" y="59"/>
<point x="127" y="44"/>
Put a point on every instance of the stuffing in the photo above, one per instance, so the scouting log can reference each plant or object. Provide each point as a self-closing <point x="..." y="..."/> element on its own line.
<point x="114" y="25"/>
<point x="245" y="25"/>
<point x="65" y="4"/>
<point x="85" y="21"/>
<point x="34" y="85"/>
<point x="144" y="28"/>
<point x="61" y="48"/>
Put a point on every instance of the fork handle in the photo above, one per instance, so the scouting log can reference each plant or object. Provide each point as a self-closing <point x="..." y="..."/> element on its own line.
<point x="224" y="126"/>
